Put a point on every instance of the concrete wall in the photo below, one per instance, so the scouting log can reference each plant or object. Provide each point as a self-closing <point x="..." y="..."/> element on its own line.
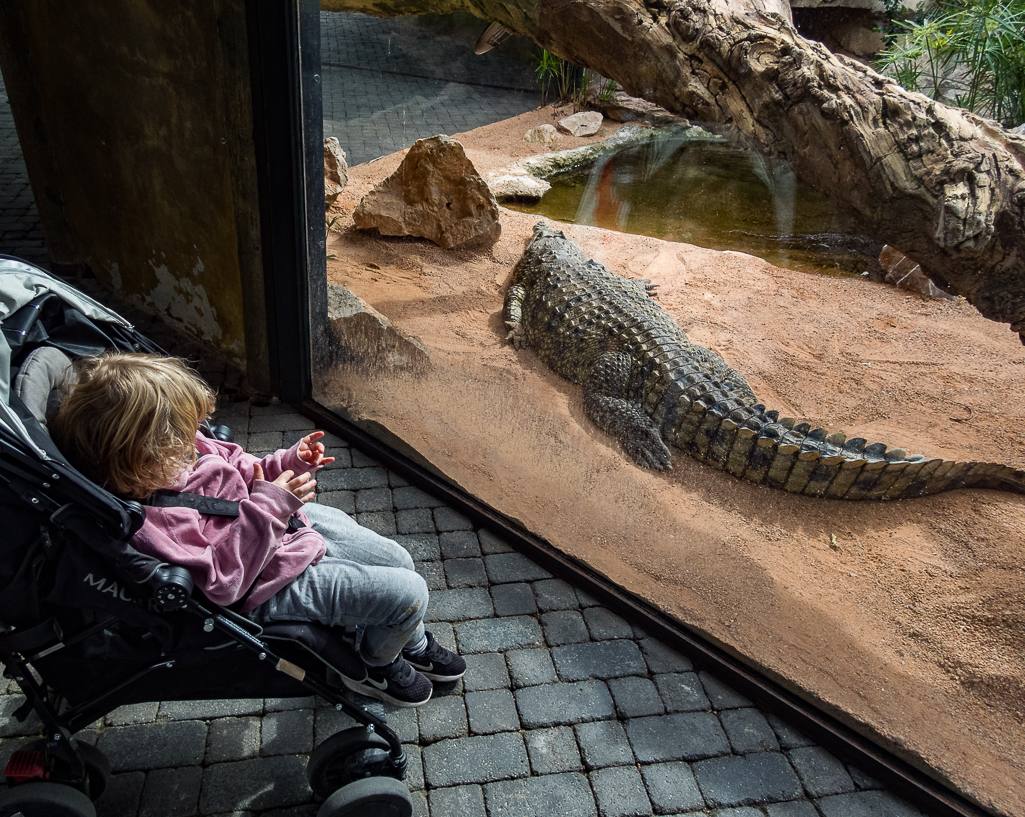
<point x="135" y="120"/>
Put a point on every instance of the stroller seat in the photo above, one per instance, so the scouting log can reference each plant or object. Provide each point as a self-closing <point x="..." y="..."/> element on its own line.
<point x="89" y="624"/>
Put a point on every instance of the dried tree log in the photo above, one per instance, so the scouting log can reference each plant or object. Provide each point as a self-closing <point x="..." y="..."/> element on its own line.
<point x="944" y="186"/>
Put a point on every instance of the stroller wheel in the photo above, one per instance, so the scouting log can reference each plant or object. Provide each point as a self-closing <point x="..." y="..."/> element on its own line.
<point x="348" y="756"/>
<point x="379" y="796"/>
<point x="44" y="799"/>
<point x="97" y="767"/>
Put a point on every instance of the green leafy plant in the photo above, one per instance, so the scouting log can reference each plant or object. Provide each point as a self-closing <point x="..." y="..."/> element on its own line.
<point x="555" y="73"/>
<point x="970" y="52"/>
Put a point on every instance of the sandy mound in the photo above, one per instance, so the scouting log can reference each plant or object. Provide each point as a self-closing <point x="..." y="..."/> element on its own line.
<point x="906" y="619"/>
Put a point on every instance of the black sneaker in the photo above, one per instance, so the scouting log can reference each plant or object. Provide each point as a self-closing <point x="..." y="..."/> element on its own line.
<point x="395" y="683"/>
<point x="436" y="662"/>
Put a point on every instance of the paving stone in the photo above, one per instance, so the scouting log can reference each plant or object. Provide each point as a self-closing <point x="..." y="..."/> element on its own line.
<point x="362" y="460"/>
<point x="586" y="599"/>
<point x="748" y="731"/>
<point x="486" y="671"/>
<point x="560" y="704"/>
<point x="564" y="627"/>
<point x="460" y="605"/>
<point x="154" y="745"/>
<point x="866" y="804"/>
<point x="475" y="760"/>
<point x="555" y="594"/>
<point x="459" y="544"/>
<point x="414" y="767"/>
<point x="821" y="773"/>
<point x="530" y="667"/>
<point x="458" y="801"/>
<point x="411" y="497"/>
<point x="233" y="739"/>
<point x="603" y="624"/>
<point x="491" y="711"/>
<point x="262" y="783"/>
<point x="286" y="422"/>
<point x="443" y="718"/>
<point x="404" y="721"/>
<point x="567" y="795"/>
<point x="513" y="599"/>
<point x="635" y="697"/>
<point x="788" y="736"/>
<point x="513" y="567"/>
<point x="122" y="795"/>
<point x="373" y="499"/>
<point x="287" y="733"/>
<point x="662" y="658"/>
<point x="328" y="720"/>
<point x="434" y="574"/>
<point x="862" y="780"/>
<point x="268" y="441"/>
<point x="685" y="736"/>
<point x="423" y="547"/>
<point x="416" y="520"/>
<point x="743" y="811"/>
<point x="352" y="479"/>
<point x="11" y="728"/>
<point x="721" y="695"/>
<point x="620" y="792"/>
<point x="133" y="713"/>
<point x="748" y="779"/>
<point x="447" y="519"/>
<point x="491" y="543"/>
<point x="604" y="743"/>
<point x="207" y="710"/>
<point x="795" y="808"/>
<point x="465" y="573"/>
<point x="344" y="501"/>
<point x="171" y="792"/>
<point x="598" y="659"/>
<point x="444" y="634"/>
<point x="553" y="750"/>
<point x="286" y="704"/>
<point x="498" y="634"/>
<point x="382" y="522"/>
<point x="672" y="787"/>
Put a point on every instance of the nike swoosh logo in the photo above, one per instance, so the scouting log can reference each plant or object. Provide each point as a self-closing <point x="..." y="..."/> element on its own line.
<point x="382" y="685"/>
<point x="428" y="667"/>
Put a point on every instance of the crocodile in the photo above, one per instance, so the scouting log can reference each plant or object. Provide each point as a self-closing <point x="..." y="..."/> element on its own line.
<point x="647" y="385"/>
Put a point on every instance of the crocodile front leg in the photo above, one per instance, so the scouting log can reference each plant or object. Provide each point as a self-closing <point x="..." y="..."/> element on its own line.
<point x="624" y="419"/>
<point x="512" y="314"/>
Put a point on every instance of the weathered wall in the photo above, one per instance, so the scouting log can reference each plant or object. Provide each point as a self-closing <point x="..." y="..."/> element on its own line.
<point x="135" y="120"/>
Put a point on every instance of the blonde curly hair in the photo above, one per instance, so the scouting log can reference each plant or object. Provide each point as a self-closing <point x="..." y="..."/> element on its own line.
<point x="128" y="421"/>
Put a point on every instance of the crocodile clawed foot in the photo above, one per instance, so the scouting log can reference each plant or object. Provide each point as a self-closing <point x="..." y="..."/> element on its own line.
<point x="517" y="337"/>
<point x="650" y="288"/>
<point x="650" y="452"/>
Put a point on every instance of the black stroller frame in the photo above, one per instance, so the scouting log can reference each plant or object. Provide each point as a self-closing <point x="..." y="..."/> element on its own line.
<point x="88" y="624"/>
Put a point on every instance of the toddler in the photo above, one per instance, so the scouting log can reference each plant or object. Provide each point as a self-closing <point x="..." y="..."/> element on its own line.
<point x="130" y="422"/>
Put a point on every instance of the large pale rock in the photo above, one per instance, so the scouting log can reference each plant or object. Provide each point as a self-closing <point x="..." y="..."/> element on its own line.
<point x="545" y="135"/>
<point x="436" y="193"/>
<point x="621" y="107"/>
<point x="517" y="187"/>
<point x="360" y="334"/>
<point x="585" y="123"/>
<point x="336" y="171"/>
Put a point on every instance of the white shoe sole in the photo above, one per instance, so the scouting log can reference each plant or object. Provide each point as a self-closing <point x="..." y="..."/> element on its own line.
<point x="370" y="691"/>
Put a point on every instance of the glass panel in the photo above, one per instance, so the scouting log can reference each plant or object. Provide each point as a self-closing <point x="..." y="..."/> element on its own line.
<point x="905" y="614"/>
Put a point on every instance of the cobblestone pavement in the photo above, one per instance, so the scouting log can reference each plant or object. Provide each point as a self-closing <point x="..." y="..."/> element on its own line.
<point x="566" y="709"/>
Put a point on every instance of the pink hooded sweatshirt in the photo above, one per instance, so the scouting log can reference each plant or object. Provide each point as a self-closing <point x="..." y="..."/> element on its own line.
<point x="226" y="555"/>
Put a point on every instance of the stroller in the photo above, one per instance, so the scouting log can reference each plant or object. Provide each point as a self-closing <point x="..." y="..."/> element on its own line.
<point x="88" y="624"/>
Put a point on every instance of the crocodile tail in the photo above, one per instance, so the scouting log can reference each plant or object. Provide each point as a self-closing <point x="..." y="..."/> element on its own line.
<point x="759" y="446"/>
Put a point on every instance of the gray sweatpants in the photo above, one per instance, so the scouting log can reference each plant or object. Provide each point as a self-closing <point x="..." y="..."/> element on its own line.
<point x="364" y="580"/>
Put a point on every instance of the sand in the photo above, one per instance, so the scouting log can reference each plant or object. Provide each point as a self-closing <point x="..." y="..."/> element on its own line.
<point x="905" y="619"/>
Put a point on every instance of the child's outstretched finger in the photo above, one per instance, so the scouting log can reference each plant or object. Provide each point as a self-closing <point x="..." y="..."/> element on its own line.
<point x="257" y="472"/>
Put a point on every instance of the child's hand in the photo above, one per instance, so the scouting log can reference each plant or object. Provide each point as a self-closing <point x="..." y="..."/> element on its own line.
<point x="300" y="486"/>
<point x="311" y="452"/>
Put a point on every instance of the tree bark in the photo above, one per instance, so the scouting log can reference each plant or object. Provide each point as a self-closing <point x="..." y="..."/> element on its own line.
<point x="942" y="185"/>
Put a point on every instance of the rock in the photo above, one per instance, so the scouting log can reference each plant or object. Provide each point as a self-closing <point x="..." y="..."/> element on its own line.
<point x="436" y="193"/>
<point x="360" y="334"/>
<point x="621" y="107"/>
<point x="545" y="135"/>
<point x="585" y="123"/>
<point x="517" y="187"/>
<point x="902" y="272"/>
<point x="336" y="171"/>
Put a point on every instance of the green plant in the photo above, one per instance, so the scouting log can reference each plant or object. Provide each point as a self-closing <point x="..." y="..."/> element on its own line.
<point x="969" y="51"/>
<point x="555" y="71"/>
